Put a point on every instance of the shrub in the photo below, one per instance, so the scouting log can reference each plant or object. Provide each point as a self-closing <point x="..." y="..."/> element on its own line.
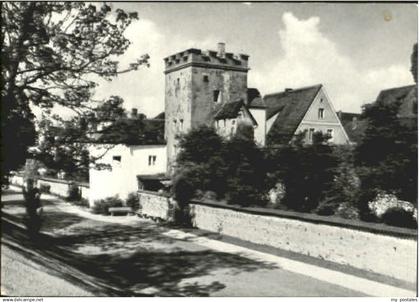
<point x="347" y="210"/>
<point x="44" y="188"/>
<point x="133" y="201"/>
<point x="74" y="193"/>
<point x="102" y="206"/>
<point x="399" y="217"/>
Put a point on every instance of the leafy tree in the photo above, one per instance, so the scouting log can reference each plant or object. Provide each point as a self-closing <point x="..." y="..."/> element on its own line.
<point x="235" y="168"/>
<point x="199" y="145"/>
<point x="246" y="172"/>
<point x="307" y="171"/>
<point x="201" y="150"/>
<point x="51" y="54"/>
<point x="387" y="156"/>
<point x="345" y="188"/>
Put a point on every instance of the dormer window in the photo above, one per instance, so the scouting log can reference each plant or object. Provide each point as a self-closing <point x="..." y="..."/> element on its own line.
<point x="321" y="113"/>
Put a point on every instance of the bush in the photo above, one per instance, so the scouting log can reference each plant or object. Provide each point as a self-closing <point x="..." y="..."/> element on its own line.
<point x="133" y="201"/>
<point x="74" y="193"/>
<point x="347" y="211"/>
<point x="102" y="206"/>
<point x="399" y="217"/>
<point x="44" y="188"/>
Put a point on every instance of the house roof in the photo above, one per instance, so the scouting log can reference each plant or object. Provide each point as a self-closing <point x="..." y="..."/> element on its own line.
<point x="291" y="106"/>
<point x="394" y="94"/>
<point x="229" y="110"/>
<point x="257" y="102"/>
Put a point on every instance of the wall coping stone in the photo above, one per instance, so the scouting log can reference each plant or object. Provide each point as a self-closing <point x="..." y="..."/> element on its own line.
<point x="152" y="193"/>
<point x="371" y="227"/>
<point x="63" y="181"/>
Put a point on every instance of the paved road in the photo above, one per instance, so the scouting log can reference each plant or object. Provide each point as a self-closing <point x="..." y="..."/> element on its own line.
<point x="129" y="256"/>
<point x="23" y="277"/>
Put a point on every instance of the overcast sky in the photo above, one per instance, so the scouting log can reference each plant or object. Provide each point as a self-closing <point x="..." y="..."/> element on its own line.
<point x="355" y="50"/>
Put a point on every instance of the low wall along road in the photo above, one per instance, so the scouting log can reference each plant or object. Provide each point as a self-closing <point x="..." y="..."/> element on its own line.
<point x="377" y="248"/>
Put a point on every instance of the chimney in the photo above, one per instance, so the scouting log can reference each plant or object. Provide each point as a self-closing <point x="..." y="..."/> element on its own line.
<point x="221" y="49"/>
<point x="134" y="113"/>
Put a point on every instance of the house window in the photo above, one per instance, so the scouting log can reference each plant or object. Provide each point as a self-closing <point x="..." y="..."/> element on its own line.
<point x="321" y="101"/>
<point x="175" y="125"/>
<point x="330" y="133"/>
<point x="216" y="95"/>
<point x="321" y="113"/>
<point x="181" y="124"/>
<point x="311" y="134"/>
<point x="233" y="122"/>
<point x="152" y="160"/>
<point x="224" y="123"/>
<point x="205" y="78"/>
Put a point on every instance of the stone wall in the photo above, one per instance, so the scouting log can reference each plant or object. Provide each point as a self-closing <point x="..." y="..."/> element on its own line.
<point x="380" y="249"/>
<point x="57" y="186"/>
<point x="386" y="254"/>
<point x="155" y="205"/>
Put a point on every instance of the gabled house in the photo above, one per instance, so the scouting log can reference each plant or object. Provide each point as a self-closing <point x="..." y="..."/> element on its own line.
<point x="307" y="110"/>
<point x="252" y="112"/>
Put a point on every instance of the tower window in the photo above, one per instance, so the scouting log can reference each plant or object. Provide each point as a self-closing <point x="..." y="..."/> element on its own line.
<point x="321" y="113"/>
<point x="216" y="95"/>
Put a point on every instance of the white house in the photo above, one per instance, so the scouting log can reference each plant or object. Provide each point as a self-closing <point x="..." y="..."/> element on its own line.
<point x="116" y="170"/>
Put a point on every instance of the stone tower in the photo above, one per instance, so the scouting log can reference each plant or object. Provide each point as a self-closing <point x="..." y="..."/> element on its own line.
<point x="196" y="84"/>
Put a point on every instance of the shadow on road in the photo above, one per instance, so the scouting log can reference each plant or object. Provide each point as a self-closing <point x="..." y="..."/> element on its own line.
<point x="128" y="258"/>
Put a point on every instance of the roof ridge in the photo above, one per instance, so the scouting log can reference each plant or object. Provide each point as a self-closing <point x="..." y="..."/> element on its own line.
<point x="293" y="90"/>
